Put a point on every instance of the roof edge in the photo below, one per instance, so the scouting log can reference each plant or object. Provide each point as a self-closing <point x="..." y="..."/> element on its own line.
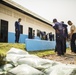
<point x="24" y="10"/>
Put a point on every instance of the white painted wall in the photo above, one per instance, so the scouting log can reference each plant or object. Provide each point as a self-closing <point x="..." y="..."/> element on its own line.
<point x="12" y="15"/>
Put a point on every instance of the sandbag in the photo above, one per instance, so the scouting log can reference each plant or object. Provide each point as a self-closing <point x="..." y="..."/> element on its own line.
<point x="7" y="67"/>
<point x="13" y="58"/>
<point x="36" y="62"/>
<point x="17" y="51"/>
<point x="61" y="69"/>
<point x="2" y="72"/>
<point x="31" y="56"/>
<point x="24" y="70"/>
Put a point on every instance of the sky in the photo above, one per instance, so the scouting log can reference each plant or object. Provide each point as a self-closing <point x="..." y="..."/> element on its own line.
<point x="62" y="10"/>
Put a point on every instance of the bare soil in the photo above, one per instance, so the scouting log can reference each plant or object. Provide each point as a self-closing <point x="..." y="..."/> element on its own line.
<point x="68" y="58"/>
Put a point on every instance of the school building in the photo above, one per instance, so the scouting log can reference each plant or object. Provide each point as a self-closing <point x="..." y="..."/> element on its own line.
<point x="10" y="12"/>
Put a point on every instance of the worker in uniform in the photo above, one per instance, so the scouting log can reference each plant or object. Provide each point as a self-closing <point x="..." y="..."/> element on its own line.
<point x="59" y="37"/>
<point x="65" y="34"/>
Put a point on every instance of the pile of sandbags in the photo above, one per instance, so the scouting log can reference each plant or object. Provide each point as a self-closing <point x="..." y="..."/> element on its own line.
<point x="22" y="63"/>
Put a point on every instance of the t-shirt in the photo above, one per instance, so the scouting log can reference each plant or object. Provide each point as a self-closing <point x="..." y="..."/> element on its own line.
<point x="17" y="25"/>
<point x="73" y="27"/>
<point x="58" y="26"/>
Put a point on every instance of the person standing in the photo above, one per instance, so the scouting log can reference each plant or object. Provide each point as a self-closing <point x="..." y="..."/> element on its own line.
<point x="33" y="34"/>
<point x="50" y="36"/>
<point x="17" y="30"/>
<point x="59" y="37"/>
<point x="72" y="36"/>
<point x="65" y="33"/>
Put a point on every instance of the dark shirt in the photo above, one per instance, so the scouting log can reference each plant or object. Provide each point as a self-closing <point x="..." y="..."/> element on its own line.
<point x="17" y="26"/>
<point x="59" y="28"/>
<point x="50" y="35"/>
<point x="65" y="30"/>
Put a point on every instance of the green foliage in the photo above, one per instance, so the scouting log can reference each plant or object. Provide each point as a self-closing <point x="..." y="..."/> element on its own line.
<point x="42" y="53"/>
<point x="4" y="47"/>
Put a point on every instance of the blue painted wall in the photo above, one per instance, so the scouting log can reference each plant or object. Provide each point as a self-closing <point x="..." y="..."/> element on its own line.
<point x="35" y="44"/>
<point x="11" y="37"/>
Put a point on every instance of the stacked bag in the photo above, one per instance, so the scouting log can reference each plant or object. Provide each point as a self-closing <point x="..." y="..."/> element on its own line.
<point x="22" y="63"/>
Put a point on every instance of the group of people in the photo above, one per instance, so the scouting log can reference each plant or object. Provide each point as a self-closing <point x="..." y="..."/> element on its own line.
<point x="46" y="36"/>
<point x="62" y="35"/>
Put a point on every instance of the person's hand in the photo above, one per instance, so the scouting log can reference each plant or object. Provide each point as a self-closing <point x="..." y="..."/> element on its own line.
<point x="16" y="29"/>
<point x="57" y="31"/>
<point x="70" y="36"/>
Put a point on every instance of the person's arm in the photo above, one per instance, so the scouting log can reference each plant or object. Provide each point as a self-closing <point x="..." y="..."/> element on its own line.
<point x="16" y="27"/>
<point x="66" y="31"/>
<point x="56" y="28"/>
<point x="72" y="30"/>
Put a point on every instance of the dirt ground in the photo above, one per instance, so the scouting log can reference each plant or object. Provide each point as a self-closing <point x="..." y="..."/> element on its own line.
<point x="68" y="58"/>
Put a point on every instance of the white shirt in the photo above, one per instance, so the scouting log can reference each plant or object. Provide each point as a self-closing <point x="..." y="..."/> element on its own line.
<point x="73" y="28"/>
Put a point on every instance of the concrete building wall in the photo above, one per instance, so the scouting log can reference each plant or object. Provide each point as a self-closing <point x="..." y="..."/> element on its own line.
<point x="12" y="15"/>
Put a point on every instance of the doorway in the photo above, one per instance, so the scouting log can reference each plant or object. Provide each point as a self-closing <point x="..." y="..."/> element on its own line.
<point x="30" y="32"/>
<point x="3" y="31"/>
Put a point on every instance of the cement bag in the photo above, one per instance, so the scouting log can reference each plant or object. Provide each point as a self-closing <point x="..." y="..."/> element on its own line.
<point x="73" y="67"/>
<point x="31" y="56"/>
<point x="35" y="62"/>
<point x="46" y="67"/>
<point x="61" y="69"/>
<point x="24" y="70"/>
<point x="46" y="61"/>
<point x="49" y="63"/>
<point x="30" y="61"/>
<point x="7" y="67"/>
<point x="13" y="58"/>
<point x="17" y="51"/>
<point x="2" y="72"/>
